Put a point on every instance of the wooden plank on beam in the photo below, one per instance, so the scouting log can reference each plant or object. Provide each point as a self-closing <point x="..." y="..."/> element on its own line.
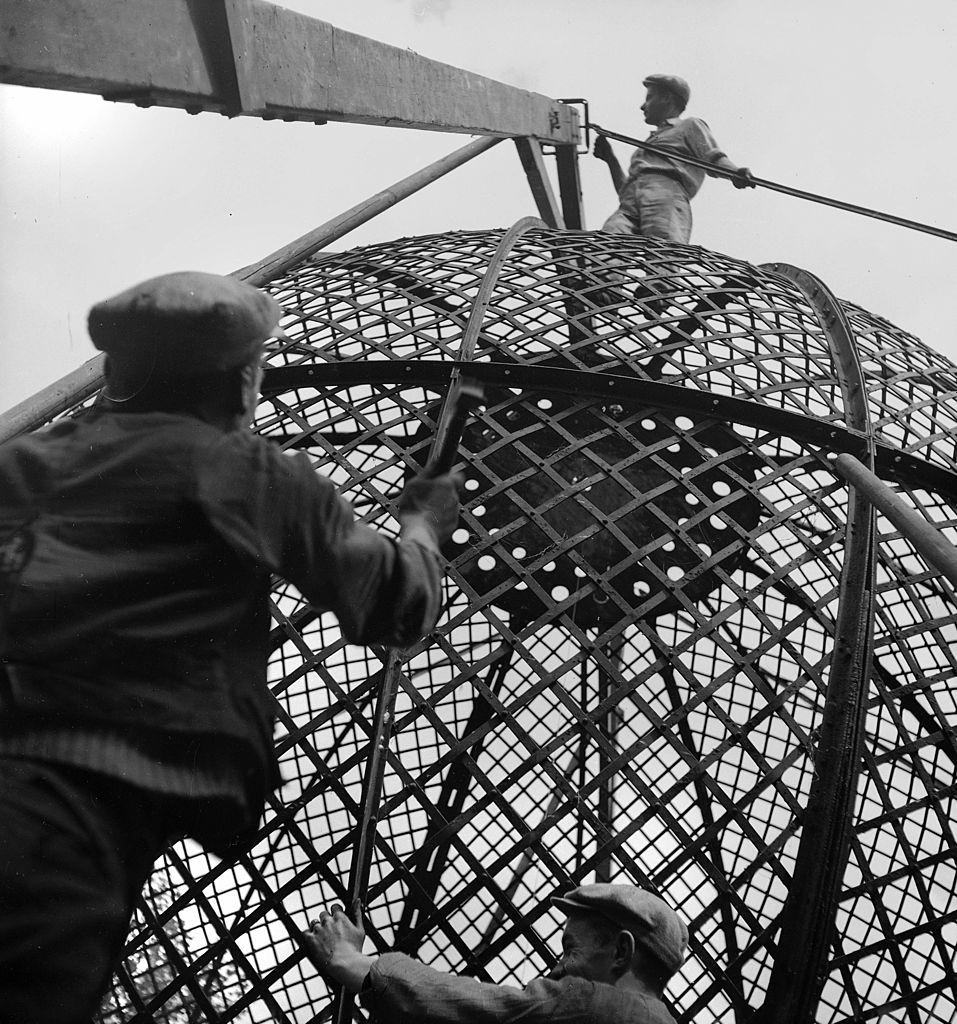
<point x="287" y="64"/>
<point x="236" y="52"/>
<point x="530" y="152"/>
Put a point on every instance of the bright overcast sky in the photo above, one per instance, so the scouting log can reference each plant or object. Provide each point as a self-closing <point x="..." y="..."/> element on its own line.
<point x="850" y="98"/>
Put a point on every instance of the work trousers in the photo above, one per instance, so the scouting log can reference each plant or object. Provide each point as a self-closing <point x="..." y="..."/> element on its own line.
<point x="76" y="848"/>
<point x="653" y="205"/>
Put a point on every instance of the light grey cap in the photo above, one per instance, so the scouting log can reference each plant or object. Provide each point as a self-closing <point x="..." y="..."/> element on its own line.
<point x="649" y="919"/>
<point x="671" y="83"/>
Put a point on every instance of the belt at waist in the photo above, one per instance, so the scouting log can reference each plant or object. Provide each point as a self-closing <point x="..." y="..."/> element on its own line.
<point x="674" y="175"/>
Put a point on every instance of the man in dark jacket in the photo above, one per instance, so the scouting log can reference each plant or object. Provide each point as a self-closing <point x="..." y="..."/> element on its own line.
<point x="620" y="947"/>
<point x="136" y="548"/>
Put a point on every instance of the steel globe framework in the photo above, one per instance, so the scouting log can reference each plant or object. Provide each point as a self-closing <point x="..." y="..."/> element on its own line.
<point x="676" y="650"/>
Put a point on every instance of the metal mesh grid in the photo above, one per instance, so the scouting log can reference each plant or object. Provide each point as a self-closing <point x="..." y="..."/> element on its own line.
<point x="911" y="389"/>
<point x="628" y="679"/>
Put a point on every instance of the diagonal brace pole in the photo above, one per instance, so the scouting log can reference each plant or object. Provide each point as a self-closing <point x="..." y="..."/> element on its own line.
<point x="89" y="378"/>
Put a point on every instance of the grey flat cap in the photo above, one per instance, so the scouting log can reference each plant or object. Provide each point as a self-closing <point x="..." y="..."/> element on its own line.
<point x="190" y="322"/>
<point x="649" y="919"/>
<point x="671" y="83"/>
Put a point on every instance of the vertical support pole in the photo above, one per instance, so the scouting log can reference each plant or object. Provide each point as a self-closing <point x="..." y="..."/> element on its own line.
<point x="570" y="186"/>
<point x="432" y="857"/>
<point x="530" y="153"/>
<point x="703" y="798"/>
<point x="581" y="769"/>
<point x="608" y="724"/>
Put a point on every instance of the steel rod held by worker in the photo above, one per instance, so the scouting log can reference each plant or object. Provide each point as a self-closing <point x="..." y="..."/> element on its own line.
<point x="462" y="397"/>
<point x="465" y="395"/>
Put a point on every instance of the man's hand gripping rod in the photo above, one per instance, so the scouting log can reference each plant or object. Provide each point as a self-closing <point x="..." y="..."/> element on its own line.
<point x="464" y="396"/>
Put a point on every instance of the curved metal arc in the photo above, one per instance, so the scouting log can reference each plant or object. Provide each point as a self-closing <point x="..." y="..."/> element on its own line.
<point x="808" y="919"/>
<point x="450" y="417"/>
<point x="459" y="394"/>
<point x="535" y="377"/>
<point x="840" y="339"/>
<point x="489" y="279"/>
<point x="892" y="463"/>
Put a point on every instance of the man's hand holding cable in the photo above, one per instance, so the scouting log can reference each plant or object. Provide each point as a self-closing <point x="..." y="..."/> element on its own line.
<point x="743" y="178"/>
<point x="334" y="945"/>
<point x="602" y="149"/>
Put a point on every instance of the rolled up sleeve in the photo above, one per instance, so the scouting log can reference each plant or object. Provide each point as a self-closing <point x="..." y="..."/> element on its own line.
<point x="700" y="142"/>
<point x="277" y="510"/>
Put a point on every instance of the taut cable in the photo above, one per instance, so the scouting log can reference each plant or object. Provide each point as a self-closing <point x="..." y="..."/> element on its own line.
<point x="775" y="186"/>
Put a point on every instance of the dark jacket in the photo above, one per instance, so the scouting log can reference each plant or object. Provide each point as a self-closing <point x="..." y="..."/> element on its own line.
<point x="135" y="560"/>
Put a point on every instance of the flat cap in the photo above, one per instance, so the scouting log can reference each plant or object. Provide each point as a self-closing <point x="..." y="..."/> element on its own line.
<point x="673" y="84"/>
<point x="190" y="322"/>
<point x="649" y="919"/>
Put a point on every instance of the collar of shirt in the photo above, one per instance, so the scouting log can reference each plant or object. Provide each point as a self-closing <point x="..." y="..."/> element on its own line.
<point x="669" y="122"/>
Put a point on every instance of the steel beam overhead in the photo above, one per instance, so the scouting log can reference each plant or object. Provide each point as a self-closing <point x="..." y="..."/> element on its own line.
<point x="255" y="58"/>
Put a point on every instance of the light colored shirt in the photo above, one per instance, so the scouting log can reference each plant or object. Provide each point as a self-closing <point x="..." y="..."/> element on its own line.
<point x="688" y="136"/>
<point x="400" y="989"/>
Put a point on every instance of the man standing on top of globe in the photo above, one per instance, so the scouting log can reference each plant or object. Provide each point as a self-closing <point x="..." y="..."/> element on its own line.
<point x="655" y="196"/>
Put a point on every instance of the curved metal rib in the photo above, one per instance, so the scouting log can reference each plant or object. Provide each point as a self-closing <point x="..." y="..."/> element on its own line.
<point x="807" y="921"/>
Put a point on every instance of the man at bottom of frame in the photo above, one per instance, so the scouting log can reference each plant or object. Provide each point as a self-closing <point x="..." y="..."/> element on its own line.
<point x="620" y="947"/>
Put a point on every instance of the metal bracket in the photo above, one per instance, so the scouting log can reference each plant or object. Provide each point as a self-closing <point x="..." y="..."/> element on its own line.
<point x="585" y="147"/>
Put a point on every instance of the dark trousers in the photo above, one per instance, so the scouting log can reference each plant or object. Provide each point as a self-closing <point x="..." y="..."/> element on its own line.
<point x="76" y="848"/>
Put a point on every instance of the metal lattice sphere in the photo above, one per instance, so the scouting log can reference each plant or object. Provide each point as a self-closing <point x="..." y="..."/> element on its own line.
<point x="676" y="650"/>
